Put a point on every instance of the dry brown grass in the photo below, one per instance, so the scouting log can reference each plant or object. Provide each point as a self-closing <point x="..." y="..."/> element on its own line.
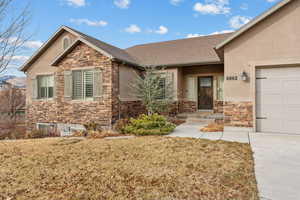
<point x="143" y="168"/>
<point x="213" y="127"/>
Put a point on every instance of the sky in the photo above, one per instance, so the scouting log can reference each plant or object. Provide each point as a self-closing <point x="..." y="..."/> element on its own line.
<point x="126" y="23"/>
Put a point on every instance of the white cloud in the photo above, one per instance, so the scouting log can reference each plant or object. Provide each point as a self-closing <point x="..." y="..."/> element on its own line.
<point x="271" y="1"/>
<point x="133" y="29"/>
<point x="162" y="30"/>
<point x="176" y="2"/>
<point x="123" y="4"/>
<point x="18" y="59"/>
<point x="33" y="44"/>
<point x="213" y="7"/>
<point x="221" y="32"/>
<point x="76" y="3"/>
<point x="192" y="35"/>
<point x="88" y="22"/>
<point x="244" y="6"/>
<point x="238" y="21"/>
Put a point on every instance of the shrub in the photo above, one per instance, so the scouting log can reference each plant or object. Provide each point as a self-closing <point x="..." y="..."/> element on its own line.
<point x="121" y="124"/>
<point x="149" y="125"/>
<point x="94" y="135"/>
<point x="92" y="126"/>
<point x="79" y="133"/>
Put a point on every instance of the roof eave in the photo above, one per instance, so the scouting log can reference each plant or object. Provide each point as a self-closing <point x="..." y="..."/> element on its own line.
<point x="26" y="65"/>
<point x="73" y="45"/>
<point x="187" y="64"/>
<point x="253" y="23"/>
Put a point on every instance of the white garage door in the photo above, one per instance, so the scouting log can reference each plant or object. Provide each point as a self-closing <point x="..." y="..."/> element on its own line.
<point x="278" y="100"/>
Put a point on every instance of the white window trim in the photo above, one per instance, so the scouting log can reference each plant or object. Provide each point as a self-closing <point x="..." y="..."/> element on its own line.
<point x="84" y="98"/>
<point x="63" y="41"/>
<point x="44" y="99"/>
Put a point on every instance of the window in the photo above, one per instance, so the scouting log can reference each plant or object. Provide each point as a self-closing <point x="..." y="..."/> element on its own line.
<point x="66" y="43"/>
<point x="220" y="88"/>
<point x="83" y="84"/>
<point x="47" y="129"/>
<point x="45" y="87"/>
<point x="162" y="86"/>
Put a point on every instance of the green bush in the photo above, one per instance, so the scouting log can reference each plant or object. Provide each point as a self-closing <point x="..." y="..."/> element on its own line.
<point x="149" y="125"/>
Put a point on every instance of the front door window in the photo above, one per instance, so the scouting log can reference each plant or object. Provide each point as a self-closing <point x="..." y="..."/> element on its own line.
<point x="205" y="93"/>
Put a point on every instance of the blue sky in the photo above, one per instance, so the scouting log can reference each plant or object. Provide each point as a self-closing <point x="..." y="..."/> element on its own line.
<point x="125" y="23"/>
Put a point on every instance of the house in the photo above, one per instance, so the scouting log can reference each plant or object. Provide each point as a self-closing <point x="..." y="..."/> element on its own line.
<point x="252" y="76"/>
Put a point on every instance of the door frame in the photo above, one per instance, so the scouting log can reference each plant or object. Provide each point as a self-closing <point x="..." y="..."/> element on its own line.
<point x="198" y="95"/>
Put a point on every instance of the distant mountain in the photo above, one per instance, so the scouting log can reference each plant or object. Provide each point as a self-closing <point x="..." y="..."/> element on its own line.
<point x="7" y="77"/>
<point x="19" y="82"/>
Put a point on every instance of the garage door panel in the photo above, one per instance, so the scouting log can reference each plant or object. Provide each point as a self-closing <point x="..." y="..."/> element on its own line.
<point x="291" y="112"/>
<point x="291" y="99"/>
<point x="278" y="100"/>
<point x="291" y="86"/>
<point x="291" y="126"/>
<point x="269" y="125"/>
<point x="272" y="111"/>
<point x="269" y="98"/>
<point x="271" y="86"/>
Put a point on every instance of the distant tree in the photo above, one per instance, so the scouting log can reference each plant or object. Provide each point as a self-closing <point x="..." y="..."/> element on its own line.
<point x="12" y="101"/>
<point x="154" y="88"/>
<point x="12" y="28"/>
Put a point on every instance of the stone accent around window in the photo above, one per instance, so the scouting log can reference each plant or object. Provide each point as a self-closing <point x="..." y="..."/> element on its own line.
<point x="68" y="111"/>
<point x="238" y="114"/>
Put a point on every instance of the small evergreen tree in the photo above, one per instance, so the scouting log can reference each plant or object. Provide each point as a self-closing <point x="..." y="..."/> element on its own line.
<point x="154" y="88"/>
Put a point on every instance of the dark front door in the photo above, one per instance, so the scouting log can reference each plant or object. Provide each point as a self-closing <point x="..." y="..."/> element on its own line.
<point x="205" y="93"/>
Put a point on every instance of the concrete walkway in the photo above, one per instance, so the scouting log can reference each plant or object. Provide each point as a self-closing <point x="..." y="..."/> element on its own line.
<point x="276" y="156"/>
<point x="277" y="165"/>
<point x="191" y="130"/>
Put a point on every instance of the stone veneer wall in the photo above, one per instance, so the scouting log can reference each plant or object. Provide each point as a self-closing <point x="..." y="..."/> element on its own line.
<point x="218" y="106"/>
<point x="188" y="106"/>
<point x="238" y="114"/>
<point x="61" y="110"/>
<point x="130" y="109"/>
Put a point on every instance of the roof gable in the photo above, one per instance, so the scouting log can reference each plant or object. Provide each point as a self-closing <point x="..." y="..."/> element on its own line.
<point x="252" y="23"/>
<point x="104" y="48"/>
<point x="45" y="46"/>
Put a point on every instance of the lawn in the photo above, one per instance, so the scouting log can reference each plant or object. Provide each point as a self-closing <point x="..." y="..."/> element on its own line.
<point x="143" y="168"/>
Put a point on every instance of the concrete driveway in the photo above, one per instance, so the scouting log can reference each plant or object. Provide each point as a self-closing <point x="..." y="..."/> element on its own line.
<point x="277" y="165"/>
<point x="276" y="156"/>
<point x="190" y="130"/>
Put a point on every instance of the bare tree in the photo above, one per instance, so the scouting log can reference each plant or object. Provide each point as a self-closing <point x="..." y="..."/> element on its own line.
<point x="12" y="32"/>
<point x="154" y="89"/>
<point x="12" y="101"/>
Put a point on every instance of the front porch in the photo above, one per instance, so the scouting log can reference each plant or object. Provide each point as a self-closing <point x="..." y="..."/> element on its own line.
<point x="199" y="88"/>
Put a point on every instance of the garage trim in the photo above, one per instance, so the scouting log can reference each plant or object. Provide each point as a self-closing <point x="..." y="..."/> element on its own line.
<point x="261" y="64"/>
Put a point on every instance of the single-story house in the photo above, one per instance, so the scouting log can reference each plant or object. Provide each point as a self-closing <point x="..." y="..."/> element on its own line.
<point x="252" y="76"/>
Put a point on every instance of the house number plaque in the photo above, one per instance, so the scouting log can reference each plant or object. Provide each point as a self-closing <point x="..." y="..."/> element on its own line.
<point x="231" y="78"/>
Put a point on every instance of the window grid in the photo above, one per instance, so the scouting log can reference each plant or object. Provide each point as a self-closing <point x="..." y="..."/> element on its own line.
<point x="83" y="84"/>
<point x="45" y="86"/>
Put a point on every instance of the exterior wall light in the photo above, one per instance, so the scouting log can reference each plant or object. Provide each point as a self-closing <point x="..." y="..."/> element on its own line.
<point x="244" y="76"/>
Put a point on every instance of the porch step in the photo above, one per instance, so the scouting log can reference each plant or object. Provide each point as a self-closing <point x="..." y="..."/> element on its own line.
<point x="194" y="120"/>
<point x="201" y="117"/>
